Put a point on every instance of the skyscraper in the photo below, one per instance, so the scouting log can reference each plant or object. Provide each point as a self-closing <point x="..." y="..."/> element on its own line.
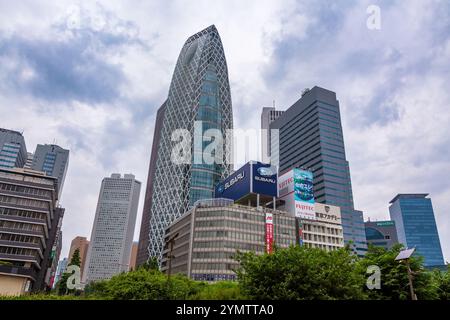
<point x="199" y="91"/>
<point x="82" y="244"/>
<point x="143" y="253"/>
<point x="112" y="233"/>
<point x="416" y="226"/>
<point x="268" y="115"/>
<point x="310" y="136"/>
<point x="13" y="151"/>
<point x="53" y="160"/>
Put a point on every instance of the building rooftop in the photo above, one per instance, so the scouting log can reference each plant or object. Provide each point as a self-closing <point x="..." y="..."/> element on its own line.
<point x="408" y="196"/>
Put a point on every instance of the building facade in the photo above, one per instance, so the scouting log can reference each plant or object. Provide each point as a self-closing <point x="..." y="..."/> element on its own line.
<point x="310" y="136"/>
<point x="29" y="219"/>
<point x="13" y="151"/>
<point x="208" y="236"/>
<point x="416" y="226"/>
<point x="381" y="233"/>
<point x="268" y="115"/>
<point x="53" y="160"/>
<point x="199" y="99"/>
<point x="82" y="244"/>
<point x="62" y="266"/>
<point x="144" y="236"/>
<point x="112" y="233"/>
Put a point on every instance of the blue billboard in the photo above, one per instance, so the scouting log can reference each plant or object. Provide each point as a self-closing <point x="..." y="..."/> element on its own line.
<point x="253" y="177"/>
<point x="236" y="185"/>
<point x="264" y="179"/>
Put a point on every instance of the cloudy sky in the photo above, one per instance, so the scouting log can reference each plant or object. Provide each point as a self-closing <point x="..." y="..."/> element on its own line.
<point x="90" y="76"/>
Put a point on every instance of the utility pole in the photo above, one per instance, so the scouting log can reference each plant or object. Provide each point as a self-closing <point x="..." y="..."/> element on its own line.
<point x="410" y="279"/>
<point x="404" y="255"/>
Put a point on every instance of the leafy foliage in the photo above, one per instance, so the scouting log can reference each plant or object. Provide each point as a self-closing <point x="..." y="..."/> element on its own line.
<point x="62" y="283"/>
<point x="300" y="273"/>
<point x="144" y="284"/>
<point x="223" y="290"/>
<point x="394" y="275"/>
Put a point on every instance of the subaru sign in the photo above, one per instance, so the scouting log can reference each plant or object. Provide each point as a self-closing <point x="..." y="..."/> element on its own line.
<point x="254" y="177"/>
<point x="264" y="179"/>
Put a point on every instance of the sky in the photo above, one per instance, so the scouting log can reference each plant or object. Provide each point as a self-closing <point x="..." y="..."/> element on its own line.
<point x="90" y="76"/>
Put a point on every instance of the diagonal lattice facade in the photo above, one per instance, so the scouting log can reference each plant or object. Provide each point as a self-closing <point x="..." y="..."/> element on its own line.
<point x="199" y="91"/>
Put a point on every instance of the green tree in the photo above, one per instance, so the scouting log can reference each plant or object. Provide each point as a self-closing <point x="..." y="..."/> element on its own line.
<point x="143" y="284"/>
<point x="300" y="273"/>
<point x="394" y="275"/>
<point x="62" y="284"/>
<point x="223" y="290"/>
<point x="441" y="282"/>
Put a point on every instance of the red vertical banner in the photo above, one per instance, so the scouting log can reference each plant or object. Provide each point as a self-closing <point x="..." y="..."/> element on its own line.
<point x="269" y="233"/>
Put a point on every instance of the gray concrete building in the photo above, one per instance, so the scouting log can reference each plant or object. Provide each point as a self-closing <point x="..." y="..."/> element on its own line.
<point x="53" y="160"/>
<point x="310" y="136"/>
<point x="210" y="233"/>
<point x="13" y="151"/>
<point x="111" y="240"/>
<point x="29" y="220"/>
<point x="268" y="115"/>
<point x="207" y="237"/>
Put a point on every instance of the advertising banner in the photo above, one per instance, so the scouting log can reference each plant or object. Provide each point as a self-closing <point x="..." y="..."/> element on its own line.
<point x="264" y="179"/>
<point x="236" y="185"/>
<point x="304" y="194"/>
<point x="269" y="233"/>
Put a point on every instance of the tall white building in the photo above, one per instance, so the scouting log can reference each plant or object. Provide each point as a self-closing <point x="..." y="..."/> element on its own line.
<point x="112" y="234"/>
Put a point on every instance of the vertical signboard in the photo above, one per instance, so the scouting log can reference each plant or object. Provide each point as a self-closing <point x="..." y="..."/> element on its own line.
<point x="269" y="233"/>
<point x="304" y="194"/>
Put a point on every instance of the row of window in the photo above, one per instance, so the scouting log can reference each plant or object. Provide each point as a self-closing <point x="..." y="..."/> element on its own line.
<point x="24" y="202"/>
<point x="21" y="226"/>
<point x="19" y="238"/>
<point x="19" y="251"/>
<point x="236" y="245"/>
<point x="26" y="190"/>
<point x="22" y="213"/>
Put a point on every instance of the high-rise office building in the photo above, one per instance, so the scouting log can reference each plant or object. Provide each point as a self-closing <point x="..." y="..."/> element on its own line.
<point x="381" y="233"/>
<point x="13" y="151"/>
<point x="29" y="220"/>
<point x="199" y="99"/>
<point x="143" y="246"/>
<point x="416" y="226"/>
<point x="53" y="160"/>
<point x="82" y="244"/>
<point x="310" y="136"/>
<point x="112" y="233"/>
<point x="268" y="115"/>
<point x="62" y="266"/>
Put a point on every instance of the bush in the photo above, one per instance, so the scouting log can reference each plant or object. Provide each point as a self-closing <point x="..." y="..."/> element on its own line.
<point x="224" y="290"/>
<point x="300" y="273"/>
<point x="143" y="284"/>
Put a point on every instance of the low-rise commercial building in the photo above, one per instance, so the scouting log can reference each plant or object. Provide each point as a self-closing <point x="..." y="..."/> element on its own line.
<point x="202" y="243"/>
<point x="381" y="233"/>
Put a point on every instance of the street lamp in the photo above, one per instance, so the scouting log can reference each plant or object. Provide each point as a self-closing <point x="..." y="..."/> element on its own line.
<point x="404" y="255"/>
